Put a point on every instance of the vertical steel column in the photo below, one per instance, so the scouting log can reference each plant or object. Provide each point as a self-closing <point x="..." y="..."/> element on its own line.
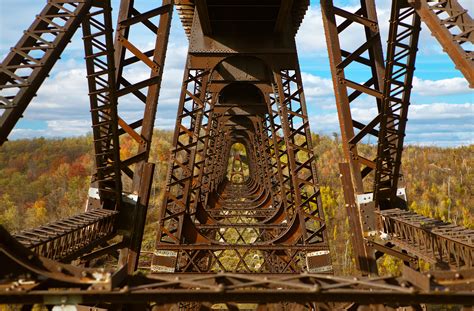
<point x="301" y="159"/>
<point x="99" y="55"/>
<point x="176" y="203"/>
<point x="274" y="186"/>
<point x="202" y="147"/>
<point x="280" y="153"/>
<point x="400" y="66"/>
<point x="140" y="131"/>
<point x="277" y="187"/>
<point x="215" y="136"/>
<point x="368" y="58"/>
<point x="261" y="159"/>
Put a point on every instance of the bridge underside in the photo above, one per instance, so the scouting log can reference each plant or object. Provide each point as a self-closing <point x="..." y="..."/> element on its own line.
<point x="242" y="217"/>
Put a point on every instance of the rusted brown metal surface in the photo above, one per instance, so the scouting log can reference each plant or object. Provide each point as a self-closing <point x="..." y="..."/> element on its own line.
<point x="108" y="288"/>
<point x="402" y="46"/>
<point x="122" y="57"/>
<point x="98" y="39"/>
<point x="242" y="217"/>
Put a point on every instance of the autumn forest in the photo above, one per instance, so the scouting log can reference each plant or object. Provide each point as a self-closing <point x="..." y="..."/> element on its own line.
<point x="42" y="180"/>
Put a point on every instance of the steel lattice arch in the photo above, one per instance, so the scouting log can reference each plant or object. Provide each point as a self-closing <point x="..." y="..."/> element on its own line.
<point x="242" y="85"/>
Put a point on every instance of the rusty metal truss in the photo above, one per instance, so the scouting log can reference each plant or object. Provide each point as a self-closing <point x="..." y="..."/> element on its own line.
<point x="453" y="27"/>
<point x="400" y="64"/>
<point x="242" y="218"/>
<point x="64" y="239"/>
<point x="434" y="241"/>
<point x="29" y="62"/>
<point x="100" y="287"/>
<point x="372" y="182"/>
<point x="207" y="218"/>
<point x="368" y="58"/>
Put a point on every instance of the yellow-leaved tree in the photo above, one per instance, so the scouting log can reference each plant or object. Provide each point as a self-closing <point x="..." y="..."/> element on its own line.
<point x="9" y="216"/>
<point x="36" y="215"/>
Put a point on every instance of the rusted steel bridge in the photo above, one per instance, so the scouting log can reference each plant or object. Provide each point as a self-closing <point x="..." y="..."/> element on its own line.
<point x="236" y="227"/>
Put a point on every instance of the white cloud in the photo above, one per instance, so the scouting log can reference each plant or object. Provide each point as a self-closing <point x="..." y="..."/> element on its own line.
<point x="316" y="86"/>
<point x="429" y="124"/>
<point x="56" y="128"/>
<point x="441" y="112"/>
<point x="310" y="37"/>
<point x="324" y="123"/>
<point x="62" y="103"/>
<point x="441" y="87"/>
<point x="68" y="127"/>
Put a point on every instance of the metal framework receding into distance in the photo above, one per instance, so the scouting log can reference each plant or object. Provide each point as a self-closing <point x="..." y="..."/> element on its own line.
<point x="237" y="225"/>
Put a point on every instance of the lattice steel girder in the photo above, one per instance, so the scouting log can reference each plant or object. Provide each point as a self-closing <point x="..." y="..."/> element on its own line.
<point x="261" y="157"/>
<point x="215" y="143"/>
<point x="28" y="64"/>
<point x="279" y="152"/>
<point x="364" y="22"/>
<point x="391" y="100"/>
<point x="71" y="237"/>
<point x="443" y="244"/>
<point x="214" y="135"/>
<point x="273" y="158"/>
<point x="274" y="181"/>
<point x="176" y="203"/>
<point x="37" y="52"/>
<point x="129" y="18"/>
<point x="402" y="46"/>
<point x="203" y="151"/>
<point x="20" y="263"/>
<point x="453" y="27"/>
<point x="182" y="229"/>
<point x="368" y="57"/>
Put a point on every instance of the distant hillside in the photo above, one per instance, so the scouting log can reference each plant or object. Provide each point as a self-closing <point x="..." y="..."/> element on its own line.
<point x="42" y="180"/>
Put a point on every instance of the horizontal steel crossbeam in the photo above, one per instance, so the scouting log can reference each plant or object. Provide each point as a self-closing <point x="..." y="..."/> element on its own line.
<point x="259" y="288"/>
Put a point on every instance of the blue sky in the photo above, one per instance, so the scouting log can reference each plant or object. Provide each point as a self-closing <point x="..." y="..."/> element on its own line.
<point x="442" y="110"/>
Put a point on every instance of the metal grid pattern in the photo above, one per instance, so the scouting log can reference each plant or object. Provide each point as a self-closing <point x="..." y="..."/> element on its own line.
<point x="67" y="237"/>
<point x="440" y="243"/>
